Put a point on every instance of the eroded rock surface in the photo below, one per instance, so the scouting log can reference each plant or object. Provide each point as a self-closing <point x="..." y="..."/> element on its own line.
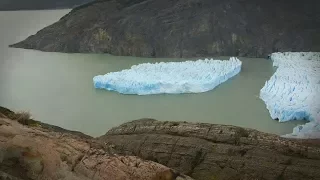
<point x="211" y="152"/>
<point x="184" y="28"/>
<point x="32" y="152"/>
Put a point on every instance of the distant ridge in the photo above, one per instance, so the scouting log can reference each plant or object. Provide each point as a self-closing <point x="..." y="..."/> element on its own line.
<point x="13" y="5"/>
<point x="183" y="28"/>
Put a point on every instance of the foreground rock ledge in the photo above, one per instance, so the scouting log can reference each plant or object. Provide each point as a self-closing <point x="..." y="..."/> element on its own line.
<point x="147" y="149"/>
<point x="32" y="152"/>
<point x="211" y="152"/>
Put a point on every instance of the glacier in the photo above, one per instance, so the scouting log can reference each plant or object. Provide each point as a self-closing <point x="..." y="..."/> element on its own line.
<point x="170" y="77"/>
<point x="293" y="91"/>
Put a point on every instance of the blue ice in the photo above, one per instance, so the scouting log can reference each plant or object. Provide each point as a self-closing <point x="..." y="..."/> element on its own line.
<point x="293" y="92"/>
<point x="170" y="77"/>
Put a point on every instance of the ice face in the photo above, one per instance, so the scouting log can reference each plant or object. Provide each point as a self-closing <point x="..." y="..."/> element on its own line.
<point x="170" y="77"/>
<point x="293" y="92"/>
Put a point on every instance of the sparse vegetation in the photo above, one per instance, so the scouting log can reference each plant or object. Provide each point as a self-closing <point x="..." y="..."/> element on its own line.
<point x="22" y="117"/>
<point x="101" y="35"/>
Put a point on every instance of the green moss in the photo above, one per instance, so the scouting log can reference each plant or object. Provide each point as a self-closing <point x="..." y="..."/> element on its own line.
<point x="102" y="35"/>
<point x="6" y="112"/>
<point x="29" y="122"/>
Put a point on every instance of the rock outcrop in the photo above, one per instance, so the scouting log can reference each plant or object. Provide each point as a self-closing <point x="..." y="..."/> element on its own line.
<point x="217" y="152"/>
<point x="33" y="152"/>
<point x="183" y="28"/>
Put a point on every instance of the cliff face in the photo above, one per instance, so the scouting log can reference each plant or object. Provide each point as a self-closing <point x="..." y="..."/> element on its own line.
<point x="10" y="5"/>
<point x="184" y="28"/>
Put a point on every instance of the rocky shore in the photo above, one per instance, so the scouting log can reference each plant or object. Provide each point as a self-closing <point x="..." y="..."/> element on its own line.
<point x="151" y="149"/>
<point x="183" y="28"/>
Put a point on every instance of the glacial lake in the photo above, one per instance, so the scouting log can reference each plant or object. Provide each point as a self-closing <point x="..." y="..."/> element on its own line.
<point x="57" y="88"/>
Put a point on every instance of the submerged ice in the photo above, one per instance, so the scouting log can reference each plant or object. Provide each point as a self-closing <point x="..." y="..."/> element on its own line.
<point x="170" y="77"/>
<point x="293" y="92"/>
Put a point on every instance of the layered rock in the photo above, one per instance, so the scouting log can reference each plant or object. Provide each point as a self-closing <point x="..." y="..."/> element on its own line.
<point x="207" y="151"/>
<point x="33" y="152"/>
<point x="183" y="28"/>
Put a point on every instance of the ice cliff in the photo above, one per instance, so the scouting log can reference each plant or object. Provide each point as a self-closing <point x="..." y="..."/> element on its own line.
<point x="293" y="92"/>
<point x="170" y="77"/>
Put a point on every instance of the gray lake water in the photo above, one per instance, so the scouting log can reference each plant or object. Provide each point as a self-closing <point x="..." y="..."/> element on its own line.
<point x="57" y="88"/>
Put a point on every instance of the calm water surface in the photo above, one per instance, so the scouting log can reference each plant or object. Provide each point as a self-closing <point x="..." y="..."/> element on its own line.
<point x="57" y="88"/>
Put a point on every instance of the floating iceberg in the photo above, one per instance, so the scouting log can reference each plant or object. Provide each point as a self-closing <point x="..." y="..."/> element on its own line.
<point x="293" y="92"/>
<point x="170" y="77"/>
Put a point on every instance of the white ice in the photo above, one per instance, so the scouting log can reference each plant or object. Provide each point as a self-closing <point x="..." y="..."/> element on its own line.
<point x="170" y="77"/>
<point x="293" y="92"/>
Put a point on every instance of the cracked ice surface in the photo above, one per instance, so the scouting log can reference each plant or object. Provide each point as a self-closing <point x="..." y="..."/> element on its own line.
<point x="293" y="92"/>
<point x="170" y="77"/>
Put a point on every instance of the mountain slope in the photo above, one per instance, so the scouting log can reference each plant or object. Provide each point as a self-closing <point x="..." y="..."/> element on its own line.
<point x="6" y="5"/>
<point x="184" y="28"/>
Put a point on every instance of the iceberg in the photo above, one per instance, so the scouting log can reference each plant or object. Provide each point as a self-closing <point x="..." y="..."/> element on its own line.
<point x="293" y="91"/>
<point x="170" y="77"/>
